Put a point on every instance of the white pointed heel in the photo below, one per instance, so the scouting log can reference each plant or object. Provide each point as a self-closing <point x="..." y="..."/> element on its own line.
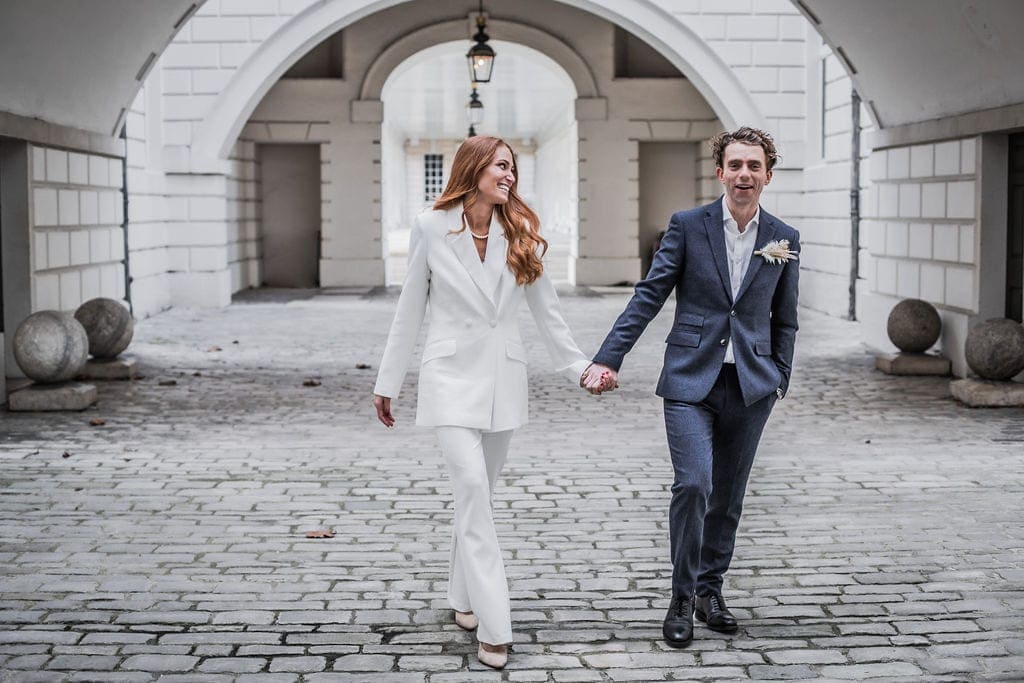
<point x="495" y="660"/>
<point x="466" y="620"/>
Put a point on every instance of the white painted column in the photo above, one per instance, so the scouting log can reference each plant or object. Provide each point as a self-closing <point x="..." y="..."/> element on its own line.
<point x="351" y="251"/>
<point x="608" y="247"/>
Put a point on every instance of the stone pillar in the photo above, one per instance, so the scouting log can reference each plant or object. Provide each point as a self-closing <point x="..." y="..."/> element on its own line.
<point x="351" y="247"/>
<point x="608" y="250"/>
<point x="16" y="266"/>
<point x="198" y="251"/>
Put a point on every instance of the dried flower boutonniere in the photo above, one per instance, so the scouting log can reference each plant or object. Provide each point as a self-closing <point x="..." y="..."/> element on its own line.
<point x="777" y="251"/>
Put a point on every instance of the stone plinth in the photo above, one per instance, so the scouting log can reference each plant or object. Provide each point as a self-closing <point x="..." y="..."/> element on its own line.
<point x="987" y="393"/>
<point x="52" y="397"/>
<point x="913" y="364"/>
<point x="109" y="369"/>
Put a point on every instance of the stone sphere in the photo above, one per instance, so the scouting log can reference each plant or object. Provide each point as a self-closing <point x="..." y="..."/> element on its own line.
<point x="995" y="349"/>
<point x="108" y="325"/>
<point x="914" y="325"/>
<point x="51" y="347"/>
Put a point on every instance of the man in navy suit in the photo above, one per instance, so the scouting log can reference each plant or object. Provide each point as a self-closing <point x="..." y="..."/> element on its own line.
<point x="727" y="361"/>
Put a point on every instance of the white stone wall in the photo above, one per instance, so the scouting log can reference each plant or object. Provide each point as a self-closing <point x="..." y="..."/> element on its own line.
<point x="151" y="260"/>
<point x="202" y="58"/>
<point x="762" y="42"/>
<point x="922" y="238"/>
<point x="244" y="245"/>
<point x="825" y="226"/>
<point x="77" y="246"/>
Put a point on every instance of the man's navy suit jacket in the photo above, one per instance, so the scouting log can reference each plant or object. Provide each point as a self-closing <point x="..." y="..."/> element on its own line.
<point x="762" y="321"/>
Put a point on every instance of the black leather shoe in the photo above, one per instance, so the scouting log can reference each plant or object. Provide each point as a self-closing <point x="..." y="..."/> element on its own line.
<point x="678" y="626"/>
<point x="712" y="611"/>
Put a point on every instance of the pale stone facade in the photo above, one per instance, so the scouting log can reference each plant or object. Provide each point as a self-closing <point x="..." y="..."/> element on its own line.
<point x="932" y="192"/>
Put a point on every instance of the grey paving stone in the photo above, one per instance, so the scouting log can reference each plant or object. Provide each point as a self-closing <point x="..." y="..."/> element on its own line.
<point x="298" y="664"/>
<point x="184" y="538"/>
<point x="84" y="662"/>
<point x="862" y="671"/>
<point x="232" y="664"/>
<point x="160" y="662"/>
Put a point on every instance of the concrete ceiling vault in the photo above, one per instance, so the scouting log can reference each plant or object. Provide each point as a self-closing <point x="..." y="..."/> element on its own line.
<point x="916" y="60"/>
<point x="79" y="63"/>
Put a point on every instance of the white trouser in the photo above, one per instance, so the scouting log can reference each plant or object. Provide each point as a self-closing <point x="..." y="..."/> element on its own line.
<point x="477" y="574"/>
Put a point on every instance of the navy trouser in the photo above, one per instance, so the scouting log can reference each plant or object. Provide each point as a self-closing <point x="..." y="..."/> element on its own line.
<point x="712" y="444"/>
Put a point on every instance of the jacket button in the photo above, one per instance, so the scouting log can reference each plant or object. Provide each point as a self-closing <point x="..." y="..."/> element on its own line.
<point x="721" y="342"/>
<point x="732" y="313"/>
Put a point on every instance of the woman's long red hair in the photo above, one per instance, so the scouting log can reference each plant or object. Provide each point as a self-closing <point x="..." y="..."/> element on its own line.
<point x="520" y="222"/>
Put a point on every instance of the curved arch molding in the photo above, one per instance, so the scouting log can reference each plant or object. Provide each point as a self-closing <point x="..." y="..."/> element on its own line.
<point x="499" y="29"/>
<point x="217" y="132"/>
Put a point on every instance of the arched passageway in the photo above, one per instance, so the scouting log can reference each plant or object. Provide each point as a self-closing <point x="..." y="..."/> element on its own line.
<point x="621" y="111"/>
<point x="532" y="106"/>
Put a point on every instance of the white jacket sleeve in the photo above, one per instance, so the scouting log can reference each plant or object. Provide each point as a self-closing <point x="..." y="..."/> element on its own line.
<point x="547" y="313"/>
<point x="405" y="329"/>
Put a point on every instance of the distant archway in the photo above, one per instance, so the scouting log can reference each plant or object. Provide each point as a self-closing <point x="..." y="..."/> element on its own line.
<point x="215" y="135"/>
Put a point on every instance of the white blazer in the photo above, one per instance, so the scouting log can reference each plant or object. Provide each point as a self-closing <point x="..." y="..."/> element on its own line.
<point x="473" y="369"/>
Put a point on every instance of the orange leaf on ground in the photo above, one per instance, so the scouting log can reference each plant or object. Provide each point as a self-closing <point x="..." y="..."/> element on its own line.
<point x="97" y="422"/>
<point x="320" y="533"/>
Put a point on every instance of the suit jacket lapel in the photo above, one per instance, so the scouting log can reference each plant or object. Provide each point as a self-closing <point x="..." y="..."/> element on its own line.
<point x="462" y="244"/>
<point x="716" y="236"/>
<point x="765" y="234"/>
<point x="496" y="256"/>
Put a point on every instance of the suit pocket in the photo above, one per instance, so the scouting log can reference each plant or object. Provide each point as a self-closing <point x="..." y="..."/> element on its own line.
<point x="763" y="348"/>
<point x="680" y="338"/>
<point x="515" y="351"/>
<point x="695" y="319"/>
<point x="439" y="349"/>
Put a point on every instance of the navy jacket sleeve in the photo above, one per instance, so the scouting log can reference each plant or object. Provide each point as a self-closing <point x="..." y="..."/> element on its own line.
<point x="784" y="316"/>
<point x="649" y="296"/>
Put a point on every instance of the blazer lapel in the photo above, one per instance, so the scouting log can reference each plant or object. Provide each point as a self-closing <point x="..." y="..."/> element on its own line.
<point x="462" y="244"/>
<point x="765" y="234"/>
<point x="496" y="256"/>
<point x="716" y="236"/>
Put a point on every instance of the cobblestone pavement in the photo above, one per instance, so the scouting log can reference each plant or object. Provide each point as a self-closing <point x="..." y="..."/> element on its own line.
<point x="882" y="536"/>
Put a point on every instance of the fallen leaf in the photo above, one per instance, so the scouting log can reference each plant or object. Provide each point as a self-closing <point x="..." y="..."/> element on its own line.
<point x="362" y="366"/>
<point x="66" y="454"/>
<point x="197" y="374"/>
<point x="235" y="341"/>
<point x="138" y="377"/>
<point x="168" y="382"/>
<point x="97" y="422"/>
<point x="214" y="348"/>
<point x="311" y="383"/>
<point x="320" y="533"/>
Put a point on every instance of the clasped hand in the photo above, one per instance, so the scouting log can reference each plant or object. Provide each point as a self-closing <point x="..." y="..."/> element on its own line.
<point x="599" y="378"/>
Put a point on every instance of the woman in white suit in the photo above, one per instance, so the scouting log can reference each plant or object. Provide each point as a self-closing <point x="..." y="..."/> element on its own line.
<point x="474" y="258"/>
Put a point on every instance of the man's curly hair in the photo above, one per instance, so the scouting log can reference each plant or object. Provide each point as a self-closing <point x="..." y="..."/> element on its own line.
<point x="748" y="136"/>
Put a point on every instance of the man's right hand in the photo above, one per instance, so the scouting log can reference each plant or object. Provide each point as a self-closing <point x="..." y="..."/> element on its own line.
<point x="599" y="378"/>
<point x="383" y="406"/>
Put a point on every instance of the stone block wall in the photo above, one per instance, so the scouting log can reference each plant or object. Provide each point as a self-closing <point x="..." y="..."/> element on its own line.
<point x="77" y="246"/>
<point x="202" y="58"/>
<point x="243" y="196"/>
<point x="922" y="237"/>
<point x="825" y="226"/>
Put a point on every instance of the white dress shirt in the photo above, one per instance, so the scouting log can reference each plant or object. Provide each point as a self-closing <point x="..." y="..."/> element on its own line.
<point x="739" y="247"/>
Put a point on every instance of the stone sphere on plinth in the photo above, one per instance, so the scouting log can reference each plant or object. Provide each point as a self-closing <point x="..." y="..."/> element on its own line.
<point x="51" y="347"/>
<point x="995" y="349"/>
<point x="108" y="324"/>
<point x="914" y="325"/>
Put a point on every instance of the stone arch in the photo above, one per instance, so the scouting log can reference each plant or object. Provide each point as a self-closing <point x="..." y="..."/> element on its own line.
<point x="224" y="120"/>
<point x="509" y="31"/>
